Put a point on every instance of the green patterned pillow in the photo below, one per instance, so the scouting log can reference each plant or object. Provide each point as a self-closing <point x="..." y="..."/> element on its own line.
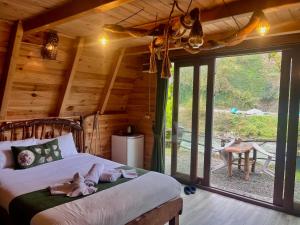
<point x="30" y="156"/>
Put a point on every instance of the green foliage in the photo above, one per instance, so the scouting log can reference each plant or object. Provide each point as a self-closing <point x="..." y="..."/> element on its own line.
<point x="264" y="127"/>
<point x="169" y="107"/>
<point x="248" y="81"/>
<point x="244" y="82"/>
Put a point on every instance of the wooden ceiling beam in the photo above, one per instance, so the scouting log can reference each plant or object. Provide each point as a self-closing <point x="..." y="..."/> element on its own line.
<point x="70" y="11"/>
<point x="65" y="94"/>
<point x="276" y="30"/>
<point x="242" y="7"/>
<point x="10" y="67"/>
<point x="219" y="12"/>
<point x="110" y="81"/>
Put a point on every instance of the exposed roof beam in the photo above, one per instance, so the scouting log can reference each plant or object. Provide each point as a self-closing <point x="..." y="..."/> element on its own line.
<point x="10" y="67"/>
<point x="69" y="78"/>
<point x="219" y="12"/>
<point x="276" y="30"/>
<point x="241" y="7"/>
<point x="70" y="11"/>
<point x="110" y="82"/>
<point x="232" y="9"/>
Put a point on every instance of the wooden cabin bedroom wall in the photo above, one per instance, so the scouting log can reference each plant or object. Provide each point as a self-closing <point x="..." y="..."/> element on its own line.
<point x="5" y="28"/>
<point x="116" y="118"/>
<point x="138" y="109"/>
<point x="38" y="84"/>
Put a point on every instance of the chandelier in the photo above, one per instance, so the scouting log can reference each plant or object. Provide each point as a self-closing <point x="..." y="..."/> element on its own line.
<point x="185" y="31"/>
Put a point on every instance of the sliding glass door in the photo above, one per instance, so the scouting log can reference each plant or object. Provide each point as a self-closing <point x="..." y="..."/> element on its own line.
<point x="256" y="100"/>
<point x="246" y="101"/>
<point x="190" y="120"/>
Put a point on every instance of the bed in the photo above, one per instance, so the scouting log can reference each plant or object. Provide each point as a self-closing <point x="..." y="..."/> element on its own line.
<point x="140" y="201"/>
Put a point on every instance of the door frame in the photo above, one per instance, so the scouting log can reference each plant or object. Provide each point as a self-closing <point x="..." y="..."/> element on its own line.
<point x="193" y="178"/>
<point x="292" y="133"/>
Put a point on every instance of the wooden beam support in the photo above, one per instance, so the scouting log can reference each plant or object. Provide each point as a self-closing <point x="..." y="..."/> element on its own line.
<point x="10" y="67"/>
<point x="219" y="12"/>
<point x="69" y="78"/>
<point x="242" y="7"/>
<point x="276" y="30"/>
<point x="70" y="11"/>
<point x="110" y="82"/>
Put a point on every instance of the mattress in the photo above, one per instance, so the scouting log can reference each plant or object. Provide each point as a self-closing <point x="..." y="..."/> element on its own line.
<point x="114" y="206"/>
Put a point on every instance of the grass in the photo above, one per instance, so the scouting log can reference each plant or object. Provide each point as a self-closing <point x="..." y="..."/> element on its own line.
<point x="298" y="175"/>
<point x="259" y="127"/>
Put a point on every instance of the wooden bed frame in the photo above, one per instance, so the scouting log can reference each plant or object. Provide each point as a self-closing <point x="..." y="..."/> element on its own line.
<point x="53" y="127"/>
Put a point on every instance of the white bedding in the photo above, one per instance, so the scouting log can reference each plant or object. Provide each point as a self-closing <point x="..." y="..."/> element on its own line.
<point x="114" y="206"/>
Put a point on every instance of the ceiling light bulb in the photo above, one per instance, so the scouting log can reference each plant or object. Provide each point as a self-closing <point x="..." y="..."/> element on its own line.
<point x="262" y="30"/>
<point x="103" y="41"/>
<point x="264" y="26"/>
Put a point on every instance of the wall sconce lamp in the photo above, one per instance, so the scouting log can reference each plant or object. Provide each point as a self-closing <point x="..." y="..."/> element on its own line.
<point x="49" y="50"/>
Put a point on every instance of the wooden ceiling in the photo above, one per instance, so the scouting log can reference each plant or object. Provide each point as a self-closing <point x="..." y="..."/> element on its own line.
<point x="90" y="24"/>
<point x="23" y="9"/>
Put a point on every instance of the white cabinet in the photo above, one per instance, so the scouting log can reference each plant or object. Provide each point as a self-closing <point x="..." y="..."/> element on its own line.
<point x="128" y="150"/>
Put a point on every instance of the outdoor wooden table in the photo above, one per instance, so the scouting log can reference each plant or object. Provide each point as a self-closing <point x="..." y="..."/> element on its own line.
<point x="240" y="148"/>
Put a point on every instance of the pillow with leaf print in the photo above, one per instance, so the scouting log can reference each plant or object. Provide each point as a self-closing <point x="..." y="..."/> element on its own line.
<point x="30" y="156"/>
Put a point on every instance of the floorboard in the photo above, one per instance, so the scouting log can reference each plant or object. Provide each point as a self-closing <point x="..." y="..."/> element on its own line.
<point x="206" y="208"/>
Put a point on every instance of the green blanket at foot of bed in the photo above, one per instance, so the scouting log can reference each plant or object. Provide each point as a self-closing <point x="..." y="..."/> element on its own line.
<point x="24" y="207"/>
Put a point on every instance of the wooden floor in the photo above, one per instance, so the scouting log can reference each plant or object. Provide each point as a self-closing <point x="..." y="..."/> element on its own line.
<point x="206" y="208"/>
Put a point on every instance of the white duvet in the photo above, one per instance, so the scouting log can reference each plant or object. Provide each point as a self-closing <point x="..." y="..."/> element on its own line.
<point x="114" y="206"/>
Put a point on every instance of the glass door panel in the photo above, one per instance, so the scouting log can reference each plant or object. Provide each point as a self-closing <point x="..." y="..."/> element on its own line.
<point x="246" y="101"/>
<point x="190" y="128"/>
<point x="182" y="122"/>
<point x="202" y="118"/>
<point x="184" y="130"/>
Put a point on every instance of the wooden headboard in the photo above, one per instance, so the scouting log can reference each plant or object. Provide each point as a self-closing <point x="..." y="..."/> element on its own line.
<point x="43" y="128"/>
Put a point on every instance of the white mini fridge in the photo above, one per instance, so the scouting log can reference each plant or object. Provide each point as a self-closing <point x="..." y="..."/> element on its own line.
<point x="128" y="150"/>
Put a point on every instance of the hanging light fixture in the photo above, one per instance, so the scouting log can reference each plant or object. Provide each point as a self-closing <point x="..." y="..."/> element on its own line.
<point x="186" y="31"/>
<point x="196" y="35"/>
<point x="264" y="26"/>
<point x="49" y="50"/>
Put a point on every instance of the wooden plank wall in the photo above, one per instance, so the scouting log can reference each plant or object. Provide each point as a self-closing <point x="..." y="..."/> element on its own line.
<point x="138" y="108"/>
<point x="5" y="28"/>
<point x="124" y="84"/>
<point x="37" y="82"/>
<point x="107" y="125"/>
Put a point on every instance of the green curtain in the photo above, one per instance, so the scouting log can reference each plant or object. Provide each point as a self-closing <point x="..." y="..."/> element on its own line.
<point x="158" y="153"/>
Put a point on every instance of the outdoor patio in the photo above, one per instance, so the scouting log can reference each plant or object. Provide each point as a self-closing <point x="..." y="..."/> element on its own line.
<point x="260" y="185"/>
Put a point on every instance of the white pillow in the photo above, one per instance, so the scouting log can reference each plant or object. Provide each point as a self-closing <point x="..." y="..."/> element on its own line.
<point x="65" y="143"/>
<point x="6" y="155"/>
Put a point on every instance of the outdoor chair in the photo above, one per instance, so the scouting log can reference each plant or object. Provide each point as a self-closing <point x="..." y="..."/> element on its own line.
<point x="270" y="157"/>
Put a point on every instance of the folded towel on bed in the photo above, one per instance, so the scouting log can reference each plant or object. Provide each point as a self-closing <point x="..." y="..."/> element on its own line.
<point x="80" y="185"/>
<point x="80" y="188"/>
<point x="93" y="176"/>
<point x="99" y="173"/>
<point x="110" y="175"/>
<point x="73" y="189"/>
